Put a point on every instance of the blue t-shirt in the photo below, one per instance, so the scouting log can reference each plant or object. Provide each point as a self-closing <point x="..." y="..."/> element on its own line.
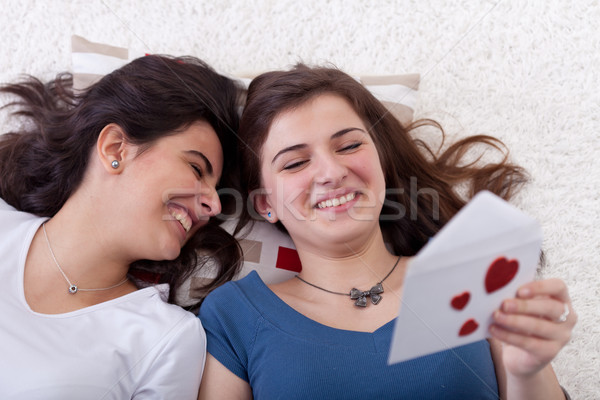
<point x="285" y="355"/>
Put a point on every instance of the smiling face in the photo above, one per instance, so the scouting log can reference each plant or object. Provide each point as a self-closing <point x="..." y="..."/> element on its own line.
<point x="172" y="186"/>
<point x="321" y="174"/>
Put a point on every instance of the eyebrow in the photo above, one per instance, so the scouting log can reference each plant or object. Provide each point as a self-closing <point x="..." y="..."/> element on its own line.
<point x="209" y="167"/>
<point x="302" y="145"/>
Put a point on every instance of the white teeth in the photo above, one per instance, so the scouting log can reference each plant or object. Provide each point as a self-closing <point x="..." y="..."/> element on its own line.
<point x="183" y="219"/>
<point x="337" y="201"/>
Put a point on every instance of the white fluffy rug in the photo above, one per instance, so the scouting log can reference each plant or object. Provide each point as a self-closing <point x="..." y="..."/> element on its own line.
<point x="524" y="71"/>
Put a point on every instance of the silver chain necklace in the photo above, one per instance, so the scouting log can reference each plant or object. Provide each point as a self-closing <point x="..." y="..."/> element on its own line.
<point x="73" y="288"/>
<point x="360" y="296"/>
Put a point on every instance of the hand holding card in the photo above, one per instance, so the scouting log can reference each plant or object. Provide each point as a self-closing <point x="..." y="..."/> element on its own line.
<point x="462" y="275"/>
<point x="534" y="326"/>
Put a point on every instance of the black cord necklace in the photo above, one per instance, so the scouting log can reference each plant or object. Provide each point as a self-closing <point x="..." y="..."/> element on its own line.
<point x="359" y="295"/>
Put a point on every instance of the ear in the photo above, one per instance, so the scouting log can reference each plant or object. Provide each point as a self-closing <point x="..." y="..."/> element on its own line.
<point x="112" y="146"/>
<point x="263" y="206"/>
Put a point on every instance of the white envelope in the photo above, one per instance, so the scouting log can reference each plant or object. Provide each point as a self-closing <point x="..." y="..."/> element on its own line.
<point x="456" y="261"/>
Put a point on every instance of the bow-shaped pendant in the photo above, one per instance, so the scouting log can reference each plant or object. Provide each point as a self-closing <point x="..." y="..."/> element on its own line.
<point x="361" y="297"/>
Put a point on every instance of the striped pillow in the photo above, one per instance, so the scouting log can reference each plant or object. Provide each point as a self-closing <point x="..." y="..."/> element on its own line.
<point x="93" y="60"/>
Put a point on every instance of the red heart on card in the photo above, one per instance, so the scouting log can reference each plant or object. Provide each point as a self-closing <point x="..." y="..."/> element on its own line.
<point x="500" y="273"/>
<point x="460" y="300"/>
<point x="468" y="327"/>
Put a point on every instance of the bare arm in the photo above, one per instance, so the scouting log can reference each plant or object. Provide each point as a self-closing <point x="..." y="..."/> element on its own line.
<point x="220" y="383"/>
<point x="543" y="385"/>
<point x="496" y="350"/>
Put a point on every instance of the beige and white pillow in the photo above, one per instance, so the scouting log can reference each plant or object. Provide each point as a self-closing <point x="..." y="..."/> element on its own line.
<point x="266" y="249"/>
<point x="93" y="60"/>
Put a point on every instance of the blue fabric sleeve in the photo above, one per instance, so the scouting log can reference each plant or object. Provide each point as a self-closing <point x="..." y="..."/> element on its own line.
<point x="230" y="324"/>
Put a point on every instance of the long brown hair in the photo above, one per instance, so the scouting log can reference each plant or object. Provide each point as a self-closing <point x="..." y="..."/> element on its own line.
<point x="44" y="162"/>
<point x="421" y="185"/>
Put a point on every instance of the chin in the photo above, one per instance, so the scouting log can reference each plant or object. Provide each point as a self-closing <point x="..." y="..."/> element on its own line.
<point x="170" y="252"/>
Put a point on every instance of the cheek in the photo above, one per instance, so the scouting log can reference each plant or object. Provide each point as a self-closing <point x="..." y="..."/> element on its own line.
<point x="371" y="172"/>
<point x="296" y="187"/>
<point x="369" y="166"/>
<point x="289" y="194"/>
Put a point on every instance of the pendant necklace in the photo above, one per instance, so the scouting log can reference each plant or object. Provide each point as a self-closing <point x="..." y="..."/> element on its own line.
<point x="359" y="295"/>
<point x="73" y="288"/>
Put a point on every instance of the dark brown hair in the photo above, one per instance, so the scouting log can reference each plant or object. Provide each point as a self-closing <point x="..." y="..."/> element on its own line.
<point x="43" y="163"/>
<point x="409" y="164"/>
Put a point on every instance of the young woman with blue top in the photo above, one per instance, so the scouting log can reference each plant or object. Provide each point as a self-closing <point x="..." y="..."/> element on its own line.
<point x="99" y="189"/>
<point x="323" y="159"/>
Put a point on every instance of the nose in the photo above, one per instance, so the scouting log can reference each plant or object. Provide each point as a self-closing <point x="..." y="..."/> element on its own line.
<point x="331" y="171"/>
<point x="210" y="205"/>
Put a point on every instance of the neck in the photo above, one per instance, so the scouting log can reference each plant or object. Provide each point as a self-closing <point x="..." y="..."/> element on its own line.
<point x="84" y="252"/>
<point x="348" y="267"/>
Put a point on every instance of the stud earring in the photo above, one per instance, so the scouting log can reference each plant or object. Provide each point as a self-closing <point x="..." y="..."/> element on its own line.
<point x="269" y="214"/>
<point x="115" y="164"/>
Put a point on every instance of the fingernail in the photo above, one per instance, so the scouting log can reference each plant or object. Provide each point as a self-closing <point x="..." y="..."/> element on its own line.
<point x="524" y="292"/>
<point x="497" y="315"/>
<point x="509" y="306"/>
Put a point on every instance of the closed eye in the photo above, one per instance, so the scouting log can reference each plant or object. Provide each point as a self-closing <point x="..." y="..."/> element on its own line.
<point x="350" y="147"/>
<point x="294" y="165"/>
<point x="197" y="170"/>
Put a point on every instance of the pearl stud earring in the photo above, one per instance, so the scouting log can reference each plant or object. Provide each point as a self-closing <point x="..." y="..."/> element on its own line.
<point x="115" y="164"/>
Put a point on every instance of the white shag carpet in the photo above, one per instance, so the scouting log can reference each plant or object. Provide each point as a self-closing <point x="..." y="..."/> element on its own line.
<point x="524" y="71"/>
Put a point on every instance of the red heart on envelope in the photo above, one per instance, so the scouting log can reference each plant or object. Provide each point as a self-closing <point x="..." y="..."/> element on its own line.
<point x="460" y="300"/>
<point x="468" y="327"/>
<point x="500" y="273"/>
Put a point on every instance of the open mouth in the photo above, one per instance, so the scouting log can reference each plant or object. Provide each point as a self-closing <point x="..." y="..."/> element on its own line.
<point x="181" y="216"/>
<point x="337" y="201"/>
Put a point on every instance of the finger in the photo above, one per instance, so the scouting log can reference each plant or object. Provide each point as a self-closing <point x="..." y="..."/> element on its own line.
<point x="527" y="325"/>
<point x="545" y="307"/>
<point x="553" y="287"/>
<point x="543" y="349"/>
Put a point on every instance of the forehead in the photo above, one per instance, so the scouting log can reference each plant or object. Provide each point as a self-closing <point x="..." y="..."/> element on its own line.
<point x="321" y="116"/>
